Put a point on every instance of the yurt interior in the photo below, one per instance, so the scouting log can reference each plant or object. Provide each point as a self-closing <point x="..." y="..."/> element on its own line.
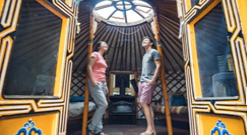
<point x="46" y="53"/>
<point x="122" y="24"/>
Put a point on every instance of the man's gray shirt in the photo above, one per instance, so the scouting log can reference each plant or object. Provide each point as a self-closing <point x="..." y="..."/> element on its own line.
<point x="148" y="65"/>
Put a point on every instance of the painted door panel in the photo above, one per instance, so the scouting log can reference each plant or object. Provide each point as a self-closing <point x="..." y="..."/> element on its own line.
<point x="37" y="43"/>
<point x="215" y="56"/>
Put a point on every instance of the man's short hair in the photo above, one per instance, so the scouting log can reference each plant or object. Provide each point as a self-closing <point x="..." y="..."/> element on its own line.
<point x="150" y="39"/>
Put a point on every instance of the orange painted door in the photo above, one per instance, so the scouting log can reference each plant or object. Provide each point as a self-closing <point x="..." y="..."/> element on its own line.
<point x="36" y="46"/>
<point x="214" y="43"/>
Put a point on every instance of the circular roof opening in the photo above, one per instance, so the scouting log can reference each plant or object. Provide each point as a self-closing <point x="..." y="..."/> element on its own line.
<point x="123" y="12"/>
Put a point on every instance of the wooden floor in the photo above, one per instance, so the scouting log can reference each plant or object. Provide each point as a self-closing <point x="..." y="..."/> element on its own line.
<point x="133" y="129"/>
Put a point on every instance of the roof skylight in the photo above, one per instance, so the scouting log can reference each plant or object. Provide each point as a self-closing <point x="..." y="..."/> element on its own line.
<point x="123" y="12"/>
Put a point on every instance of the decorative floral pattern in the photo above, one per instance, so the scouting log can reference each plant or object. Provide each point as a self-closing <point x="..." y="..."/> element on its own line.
<point x="220" y="128"/>
<point x="28" y="128"/>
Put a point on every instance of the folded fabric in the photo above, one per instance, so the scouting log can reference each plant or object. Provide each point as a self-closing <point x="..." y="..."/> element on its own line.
<point x="77" y="99"/>
<point x="77" y="108"/>
<point x="174" y="109"/>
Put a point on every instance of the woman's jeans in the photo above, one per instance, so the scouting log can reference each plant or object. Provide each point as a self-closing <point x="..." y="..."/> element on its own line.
<point x="98" y="93"/>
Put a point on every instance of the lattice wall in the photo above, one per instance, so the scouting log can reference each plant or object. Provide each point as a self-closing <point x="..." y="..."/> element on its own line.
<point x="78" y="83"/>
<point x="175" y="81"/>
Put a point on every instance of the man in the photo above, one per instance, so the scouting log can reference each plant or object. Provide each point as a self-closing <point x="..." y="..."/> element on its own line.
<point x="151" y="64"/>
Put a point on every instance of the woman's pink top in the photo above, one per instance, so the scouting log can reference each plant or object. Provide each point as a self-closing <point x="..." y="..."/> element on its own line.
<point x="99" y="67"/>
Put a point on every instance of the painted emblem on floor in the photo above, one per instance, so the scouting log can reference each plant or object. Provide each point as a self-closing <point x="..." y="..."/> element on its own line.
<point x="220" y="129"/>
<point x="29" y="129"/>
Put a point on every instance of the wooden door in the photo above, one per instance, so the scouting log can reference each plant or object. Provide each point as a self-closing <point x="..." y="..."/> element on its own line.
<point x="214" y="46"/>
<point x="37" y="43"/>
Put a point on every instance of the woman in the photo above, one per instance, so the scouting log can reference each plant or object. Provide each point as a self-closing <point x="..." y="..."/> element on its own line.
<point x="97" y="87"/>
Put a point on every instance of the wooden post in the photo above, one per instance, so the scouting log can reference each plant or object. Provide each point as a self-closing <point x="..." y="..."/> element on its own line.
<point x="163" y="79"/>
<point x="86" y="100"/>
<point x="108" y="94"/>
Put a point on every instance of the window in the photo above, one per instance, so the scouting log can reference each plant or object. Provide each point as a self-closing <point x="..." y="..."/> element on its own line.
<point x="214" y="55"/>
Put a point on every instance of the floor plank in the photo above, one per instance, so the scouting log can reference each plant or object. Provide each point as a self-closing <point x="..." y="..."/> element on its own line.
<point x="132" y="129"/>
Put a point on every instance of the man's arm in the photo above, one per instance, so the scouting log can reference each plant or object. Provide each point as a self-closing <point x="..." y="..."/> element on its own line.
<point x="157" y="71"/>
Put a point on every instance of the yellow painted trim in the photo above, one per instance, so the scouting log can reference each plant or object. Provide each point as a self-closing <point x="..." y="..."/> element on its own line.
<point x="65" y="8"/>
<point x="206" y="122"/>
<point x="10" y="125"/>
<point x="1" y="6"/>
<point x="229" y="16"/>
<point x="187" y="5"/>
<point x="205" y="11"/>
<point x="15" y="106"/>
<point x="9" y="11"/>
<point x="2" y="53"/>
<point x="14" y="21"/>
<point x="61" y="51"/>
<point x="199" y="108"/>
<point x="68" y="2"/>
<point x="6" y="48"/>
<point x="61" y="60"/>
<point x="242" y="4"/>
<point x="50" y="7"/>
<point x="197" y="83"/>
<point x="240" y="42"/>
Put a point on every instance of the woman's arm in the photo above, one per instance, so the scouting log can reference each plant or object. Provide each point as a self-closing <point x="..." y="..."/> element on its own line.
<point x="90" y="71"/>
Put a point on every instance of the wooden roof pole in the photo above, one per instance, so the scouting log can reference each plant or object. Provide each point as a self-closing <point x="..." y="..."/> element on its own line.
<point x="163" y="79"/>
<point x="86" y="100"/>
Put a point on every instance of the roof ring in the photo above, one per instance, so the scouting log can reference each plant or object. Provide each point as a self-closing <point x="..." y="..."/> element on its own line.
<point x="123" y="12"/>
